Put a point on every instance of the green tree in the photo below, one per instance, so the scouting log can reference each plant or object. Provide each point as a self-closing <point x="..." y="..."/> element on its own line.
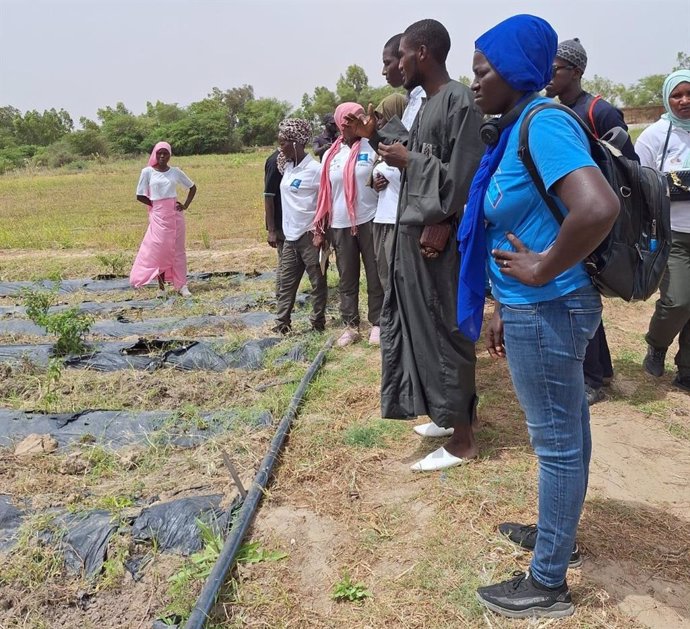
<point x="258" y="121"/>
<point x="607" y="89"/>
<point x="351" y="86"/>
<point x="647" y="91"/>
<point x="324" y="101"/>
<point x="164" y="113"/>
<point x="682" y="61"/>
<point x="42" y="129"/>
<point x="124" y="131"/>
<point x="202" y="132"/>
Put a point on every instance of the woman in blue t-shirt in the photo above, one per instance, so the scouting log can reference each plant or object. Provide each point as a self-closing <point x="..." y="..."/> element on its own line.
<point x="546" y="306"/>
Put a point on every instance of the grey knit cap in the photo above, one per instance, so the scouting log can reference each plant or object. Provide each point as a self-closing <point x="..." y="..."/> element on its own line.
<point x="571" y="50"/>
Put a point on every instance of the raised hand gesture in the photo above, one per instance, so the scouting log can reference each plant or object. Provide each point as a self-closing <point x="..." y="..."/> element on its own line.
<point x="363" y="125"/>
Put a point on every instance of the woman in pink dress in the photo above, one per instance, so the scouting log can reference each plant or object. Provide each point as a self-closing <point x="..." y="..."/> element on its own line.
<point x="162" y="253"/>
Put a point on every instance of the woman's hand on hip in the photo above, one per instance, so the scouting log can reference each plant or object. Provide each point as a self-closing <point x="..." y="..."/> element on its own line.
<point x="522" y="264"/>
<point x="494" y="336"/>
<point x="179" y="207"/>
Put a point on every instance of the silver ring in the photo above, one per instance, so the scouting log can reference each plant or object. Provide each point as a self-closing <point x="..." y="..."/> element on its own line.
<point x="505" y="263"/>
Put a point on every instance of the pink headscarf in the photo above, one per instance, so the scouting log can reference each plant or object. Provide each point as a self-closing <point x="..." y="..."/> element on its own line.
<point x="324" y="204"/>
<point x="153" y="158"/>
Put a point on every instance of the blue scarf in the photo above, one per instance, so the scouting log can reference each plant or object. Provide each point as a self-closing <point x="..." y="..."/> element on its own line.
<point x="521" y="49"/>
<point x="472" y="242"/>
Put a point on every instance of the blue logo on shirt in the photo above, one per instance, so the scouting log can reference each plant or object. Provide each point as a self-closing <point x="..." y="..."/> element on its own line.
<point x="295" y="183"/>
<point x="363" y="157"/>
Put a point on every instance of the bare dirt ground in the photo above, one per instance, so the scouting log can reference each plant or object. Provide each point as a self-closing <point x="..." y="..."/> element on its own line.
<point x="421" y="543"/>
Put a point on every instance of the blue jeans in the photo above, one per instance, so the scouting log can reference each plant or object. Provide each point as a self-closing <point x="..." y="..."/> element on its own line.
<point x="545" y="345"/>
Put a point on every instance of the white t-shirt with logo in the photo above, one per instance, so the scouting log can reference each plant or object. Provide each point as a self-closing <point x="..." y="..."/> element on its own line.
<point x="365" y="204"/>
<point x="387" y="207"/>
<point x="650" y="147"/>
<point x="299" y="189"/>
<point x="157" y="185"/>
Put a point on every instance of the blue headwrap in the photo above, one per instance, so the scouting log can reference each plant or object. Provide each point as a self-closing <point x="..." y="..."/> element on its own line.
<point x="521" y="49"/>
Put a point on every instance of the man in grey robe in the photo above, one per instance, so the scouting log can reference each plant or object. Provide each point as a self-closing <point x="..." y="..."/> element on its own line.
<point x="428" y="367"/>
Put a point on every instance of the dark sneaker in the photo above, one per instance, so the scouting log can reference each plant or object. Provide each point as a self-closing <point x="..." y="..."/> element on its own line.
<point x="281" y="328"/>
<point x="653" y="362"/>
<point x="525" y="536"/>
<point x="521" y="597"/>
<point x="593" y="395"/>
<point x="681" y="382"/>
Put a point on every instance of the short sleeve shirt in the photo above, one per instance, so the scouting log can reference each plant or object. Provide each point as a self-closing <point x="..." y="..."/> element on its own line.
<point x="157" y="185"/>
<point x="272" y="178"/>
<point x="513" y="203"/>
<point x="365" y="206"/>
<point x="387" y="206"/>
<point x="299" y="190"/>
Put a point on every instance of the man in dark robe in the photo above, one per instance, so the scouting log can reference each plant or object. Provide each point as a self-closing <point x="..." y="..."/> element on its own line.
<point x="428" y="367"/>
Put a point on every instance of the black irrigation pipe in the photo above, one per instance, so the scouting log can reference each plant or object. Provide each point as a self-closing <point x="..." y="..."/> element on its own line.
<point x="226" y="559"/>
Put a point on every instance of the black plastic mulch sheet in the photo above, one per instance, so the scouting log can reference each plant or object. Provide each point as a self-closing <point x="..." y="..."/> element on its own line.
<point x="115" y="428"/>
<point x="96" y="307"/>
<point x="123" y="326"/>
<point x="83" y="539"/>
<point x="10" y="289"/>
<point x="173" y="525"/>
<point x="150" y="355"/>
<point x="10" y="521"/>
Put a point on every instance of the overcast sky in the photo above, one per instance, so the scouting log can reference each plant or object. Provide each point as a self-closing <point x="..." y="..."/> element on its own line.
<point x="84" y="54"/>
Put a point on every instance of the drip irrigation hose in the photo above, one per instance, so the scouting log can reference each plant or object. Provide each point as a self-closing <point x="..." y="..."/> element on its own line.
<point x="226" y="559"/>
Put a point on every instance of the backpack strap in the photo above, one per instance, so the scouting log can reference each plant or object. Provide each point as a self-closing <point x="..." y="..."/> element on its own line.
<point x="590" y="115"/>
<point x="663" y="153"/>
<point x="526" y="157"/>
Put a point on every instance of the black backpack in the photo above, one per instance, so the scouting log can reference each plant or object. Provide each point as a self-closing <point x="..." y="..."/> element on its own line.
<point x="631" y="260"/>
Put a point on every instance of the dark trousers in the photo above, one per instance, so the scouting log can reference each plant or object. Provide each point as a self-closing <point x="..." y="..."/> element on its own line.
<point x="348" y="249"/>
<point x="298" y="256"/>
<point x="383" y="248"/>
<point x="597" y="364"/>
<point x="672" y="314"/>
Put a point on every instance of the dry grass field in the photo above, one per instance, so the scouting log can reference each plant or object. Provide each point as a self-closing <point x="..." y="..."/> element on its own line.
<point x="343" y="512"/>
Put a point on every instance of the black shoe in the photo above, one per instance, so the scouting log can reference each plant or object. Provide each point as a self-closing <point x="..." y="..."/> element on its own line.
<point x="593" y="395"/>
<point x="525" y="536"/>
<point x="520" y="597"/>
<point x="681" y="382"/>
<point x="281" y="328"/>
<point x="653" y="362"/>
<point x="318" y="327"/>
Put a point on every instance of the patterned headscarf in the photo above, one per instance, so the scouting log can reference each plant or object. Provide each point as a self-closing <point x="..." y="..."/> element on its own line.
<point x="324" y="203"/>
<point x="571" y="50"/>
<point x="153" y="158"/>
<point x="294" y="130"/>
<point x="671" y="82"/>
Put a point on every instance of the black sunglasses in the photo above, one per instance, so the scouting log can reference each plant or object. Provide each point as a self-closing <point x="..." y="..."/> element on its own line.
<point x="556" y="68"/>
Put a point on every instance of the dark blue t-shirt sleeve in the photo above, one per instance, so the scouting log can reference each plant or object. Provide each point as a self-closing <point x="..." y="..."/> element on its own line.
<point x="558" y="146"/>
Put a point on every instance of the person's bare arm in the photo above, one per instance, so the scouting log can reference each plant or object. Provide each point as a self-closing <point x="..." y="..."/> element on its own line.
<point x="190" y="196"/>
